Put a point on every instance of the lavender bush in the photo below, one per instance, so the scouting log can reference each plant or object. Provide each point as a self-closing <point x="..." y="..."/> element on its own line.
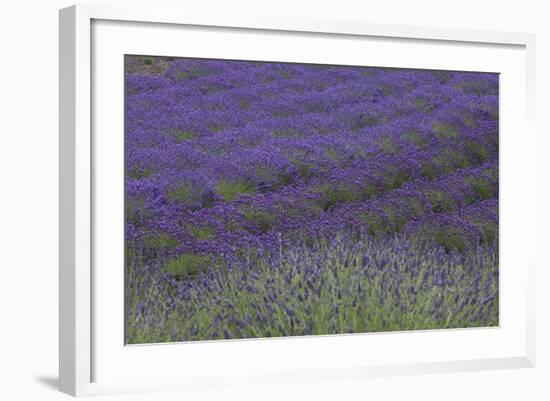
<point x="272" y="199"/>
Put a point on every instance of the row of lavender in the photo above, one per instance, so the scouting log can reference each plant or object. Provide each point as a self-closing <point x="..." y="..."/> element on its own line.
<point x="345" y="285"/>
<point x="228" y="160"/>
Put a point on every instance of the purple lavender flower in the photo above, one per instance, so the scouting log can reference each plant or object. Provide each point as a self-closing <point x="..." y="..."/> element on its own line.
<point x="270" y="199"/>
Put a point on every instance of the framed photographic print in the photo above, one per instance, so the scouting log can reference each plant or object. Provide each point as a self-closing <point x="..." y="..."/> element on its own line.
<point x="271" y="200"/>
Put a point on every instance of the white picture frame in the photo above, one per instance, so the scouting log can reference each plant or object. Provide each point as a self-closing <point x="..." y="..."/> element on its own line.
<point x="80" y="155"/>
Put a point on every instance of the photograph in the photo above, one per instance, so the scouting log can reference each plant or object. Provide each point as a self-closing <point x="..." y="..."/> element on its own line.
<point x="273" y="199"/>
<point x="269" y="201"/>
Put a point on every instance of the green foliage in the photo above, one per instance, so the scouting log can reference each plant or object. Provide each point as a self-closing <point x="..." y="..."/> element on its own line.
<point x="478" y="152"/>
<point x="416" y="206"/>
<point x="139" y="173"/>
<point x="277" y="177"/>
<point x="415" y="137"/>
<point x="148" y="61"/>
<point x="482" y="187"/>
<point x="369" y="190"/>
<point x="395" y="178"/>
<point x="129" y="253"/>
<point x="374" y="224"/>
<point x="450" y="238"/>
<point x="423" y="104"/>
<point x="332" y="194"/>
<point x="287" y="133"/>
<point x="181" y="194"/>
<point x="247" y="253"/>
<point x="215" y="127"/>
<point x="450" y="159"/>
<point x="187" y="265"/>
<point x="441" y="201"/>
<point x="181" y="75"/>
<point x="429" y="171"/>
<point x="182" y="135"/>
<point x="201" y="233"/>
<point x="261" y="220"/>
<point x="160" y="241"/>
<point x="304" y="168"/>
<point x="365" y="121"/>
<point x="364" y="286"/>
<point x="396" y="220"/>
<point x="230" y="190"/>
<point x="332" y="153"/>
<point x="469" y="121"/>
<point x="136" y="210"/>
<point x="387" y="144"/>
<point x="445" y="130"/>
<point x="191" y="72"/>
<point x="489" y="231"/>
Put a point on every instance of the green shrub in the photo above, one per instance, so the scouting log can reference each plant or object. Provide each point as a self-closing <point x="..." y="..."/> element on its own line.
<point x="230" y="190"/>
<point x="450" y="239"/>
<point x="247" y="252"/>
<point x="374" y="223"/>
<point x="423" y="104"/>
<point x="429" y="171"/>
<point x="332" y="194"/>
<point x="160" y="241"/>
<point x="396" y="220"/>
<point x="215" y="127"/>
<point x="478" y="152"/>
<point x="448" y="160"/>
<point x="182" y="135"/>
<point x="181" y="193"/>
<point x="469" y="121"/>
<point x="395" y="178"/>
<point x="482" y="187"/>
<point x="277" y="177"/>
<point x="136" y="210"/>
<point x="365" y="121"/>
<point x="333" y="153"/>
<point x="489" y="231"/>
<point x="415" y="138"/>
<point x="187" y="265"/>
<point x="445" y="130"/>
<point x="201" y="233"/>
<point x="387" y="144"/>
<point x="369" y="190"/>
<point x="261" y="219"/>
<point x="416" y="206"/>
<point x="304" y="168"/>
<point x="181" y="75"/>
<point x="138" y="173"/>
<point x="441" y="201"/>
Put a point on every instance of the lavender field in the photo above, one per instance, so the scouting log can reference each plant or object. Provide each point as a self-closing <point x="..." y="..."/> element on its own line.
<point x="274" y="199"/>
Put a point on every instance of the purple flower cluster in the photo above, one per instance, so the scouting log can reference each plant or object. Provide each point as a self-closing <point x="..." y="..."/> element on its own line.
<point x="229" y="162"/>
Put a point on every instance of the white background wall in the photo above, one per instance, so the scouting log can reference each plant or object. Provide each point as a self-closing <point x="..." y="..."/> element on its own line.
<point x="29" y="186"/>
